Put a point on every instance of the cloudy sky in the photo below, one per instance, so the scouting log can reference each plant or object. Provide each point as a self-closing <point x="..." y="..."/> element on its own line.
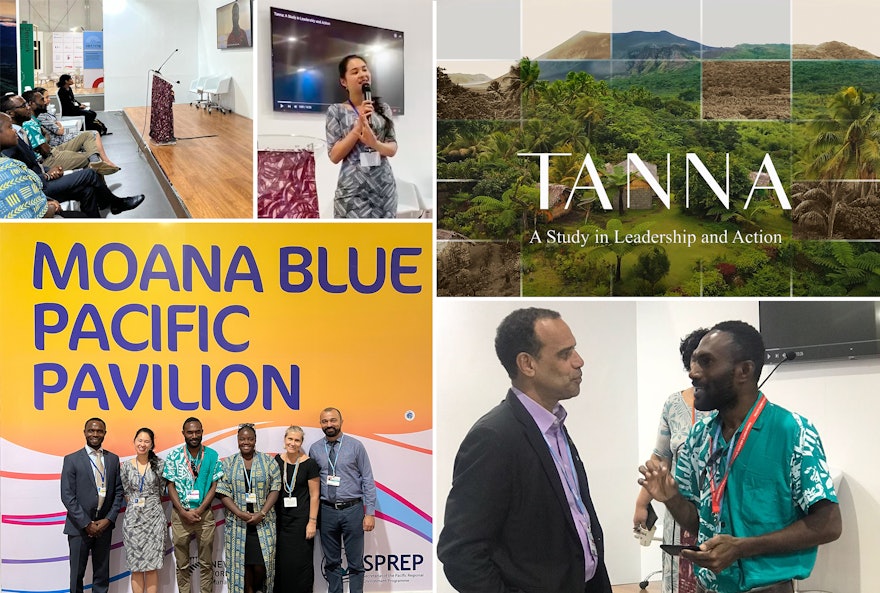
<point x="727" y="23"/>
<point x="853" y="22"/>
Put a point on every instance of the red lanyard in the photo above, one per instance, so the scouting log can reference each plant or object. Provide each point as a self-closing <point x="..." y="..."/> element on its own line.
<point x="718" y="492"/>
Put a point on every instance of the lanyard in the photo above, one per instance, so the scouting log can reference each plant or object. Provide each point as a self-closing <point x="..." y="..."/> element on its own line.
<point x="732" y="453"/>
<point x="356" y="112"/>
<point x="192" y="460"/>
<point x="289" y="487"/>
<point x="333" y="463"/>
<point x="143" y="477"/>
<point x="100" y="473"/>
<point x="572" y="486"/>
<point x="247" y="476"/>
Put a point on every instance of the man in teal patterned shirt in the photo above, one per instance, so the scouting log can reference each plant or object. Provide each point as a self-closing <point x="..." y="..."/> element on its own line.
<point x="751" y="479"/>
<point x="21" y="190"/>
<point x="194" y="470"/>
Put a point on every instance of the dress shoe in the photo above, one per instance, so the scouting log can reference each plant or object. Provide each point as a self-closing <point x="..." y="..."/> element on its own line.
<point x="102" y="168"/>
<point x="120" y="205"/>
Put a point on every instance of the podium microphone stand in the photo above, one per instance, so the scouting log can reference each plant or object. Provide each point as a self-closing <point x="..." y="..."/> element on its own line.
<point x="161" y="102"/>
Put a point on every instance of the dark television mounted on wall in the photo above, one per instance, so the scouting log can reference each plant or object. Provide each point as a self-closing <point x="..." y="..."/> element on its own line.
<point x="820" y="330"/>
<point x="307" y="49"/>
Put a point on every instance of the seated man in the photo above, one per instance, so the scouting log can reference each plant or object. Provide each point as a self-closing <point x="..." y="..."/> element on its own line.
<point x="83" y="186"/>
<point x="78" y="153"/>
<point x="54" y="130"/>
<point x="22" y="195"/>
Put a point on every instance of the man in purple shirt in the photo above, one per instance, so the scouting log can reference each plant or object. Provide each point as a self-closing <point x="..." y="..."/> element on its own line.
<point x="519" y="516"/>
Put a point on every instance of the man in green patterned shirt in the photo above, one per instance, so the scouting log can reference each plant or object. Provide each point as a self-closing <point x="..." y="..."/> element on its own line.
<point x="21" y="190"/>
<point x="194" y="470"/>
<point x="751" y="479"/>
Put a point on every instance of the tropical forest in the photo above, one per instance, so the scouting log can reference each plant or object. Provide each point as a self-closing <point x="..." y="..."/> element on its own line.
<point x="778" y="197"/>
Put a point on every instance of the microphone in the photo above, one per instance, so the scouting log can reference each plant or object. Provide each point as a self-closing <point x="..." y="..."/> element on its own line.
<point x="786" y="356"/>
<point x="368" y="94"/>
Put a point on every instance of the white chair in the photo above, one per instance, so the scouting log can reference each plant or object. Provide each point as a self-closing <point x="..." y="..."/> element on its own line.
<point x="409" y="200"/>
<point x="215" y="88"/>
<point x="197" y="86"/>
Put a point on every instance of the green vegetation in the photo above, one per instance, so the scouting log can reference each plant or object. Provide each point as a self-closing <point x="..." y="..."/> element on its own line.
<point x="736" y="251"/>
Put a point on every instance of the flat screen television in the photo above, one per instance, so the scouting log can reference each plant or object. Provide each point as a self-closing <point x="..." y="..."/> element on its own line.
<point x="307" y="49"/>
<point x="820" y="330"/>
<point x="234" y="25"/>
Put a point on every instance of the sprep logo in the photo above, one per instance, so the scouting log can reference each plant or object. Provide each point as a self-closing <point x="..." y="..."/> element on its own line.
<point x="393" y="562"/>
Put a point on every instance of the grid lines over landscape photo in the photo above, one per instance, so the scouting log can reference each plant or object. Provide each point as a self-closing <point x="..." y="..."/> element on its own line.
<point x="662" y="148"/>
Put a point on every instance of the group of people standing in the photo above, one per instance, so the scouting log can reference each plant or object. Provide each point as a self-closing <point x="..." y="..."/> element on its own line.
<point x="274" y="508"/>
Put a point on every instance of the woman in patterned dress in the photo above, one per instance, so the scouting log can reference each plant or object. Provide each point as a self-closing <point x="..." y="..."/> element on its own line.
<point x="248" y="489"/>
<point x="676" y="420"/>
<point x="144" y="526"/>
<point x="360" y="134"/>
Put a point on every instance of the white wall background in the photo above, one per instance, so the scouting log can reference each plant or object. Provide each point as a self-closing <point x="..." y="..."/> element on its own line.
<point x="414" y="161"/>
<point x="140" y="34"/>
<point x="632" y="365"/>
<point x="470" y="381"/>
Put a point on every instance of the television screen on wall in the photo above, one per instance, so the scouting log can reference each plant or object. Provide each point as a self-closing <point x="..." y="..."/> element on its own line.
<point x="234" y="25"/>
<point x="820" y="330"/>
<point x="307" y="49"/>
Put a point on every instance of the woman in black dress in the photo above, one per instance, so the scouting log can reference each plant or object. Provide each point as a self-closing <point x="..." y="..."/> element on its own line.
<point x="297" y="512"/>
<point x="70" y="107"/>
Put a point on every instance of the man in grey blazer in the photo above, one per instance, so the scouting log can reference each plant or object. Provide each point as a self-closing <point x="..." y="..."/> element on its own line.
<point x="91" y="490"/>
<point x="519" y="518"/>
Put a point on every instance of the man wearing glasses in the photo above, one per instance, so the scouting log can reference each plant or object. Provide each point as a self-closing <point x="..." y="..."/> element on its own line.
<point x="194" y="470"/>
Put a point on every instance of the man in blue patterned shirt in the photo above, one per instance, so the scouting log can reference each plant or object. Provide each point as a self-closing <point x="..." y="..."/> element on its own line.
<point x="21" y="190"/>
<point x="752" y="479"/>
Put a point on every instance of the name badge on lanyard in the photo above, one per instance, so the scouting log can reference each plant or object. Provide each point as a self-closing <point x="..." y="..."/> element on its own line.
<point x="333" y="480"/>
<point x="139" y="502"/>
<point x="250" y="497"/>
<point x="193" y="495"/>
<point x="102" y="491"/>
<point x="289" y="502"/>
<point x="370" y="159"/>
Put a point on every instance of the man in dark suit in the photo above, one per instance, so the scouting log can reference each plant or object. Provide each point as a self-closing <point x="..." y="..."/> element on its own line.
<point x="519" y="516"/>
<point x="91" y="490"/>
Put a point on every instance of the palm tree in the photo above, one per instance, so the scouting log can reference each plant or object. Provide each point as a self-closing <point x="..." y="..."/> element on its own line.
<point x="523" y="78"/>
<point x="618" y="249"/>
<point x="846" y="146"/>
<point x="618" y="180"/>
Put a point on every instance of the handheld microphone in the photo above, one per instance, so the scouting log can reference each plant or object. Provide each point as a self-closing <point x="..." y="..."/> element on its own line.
<point x="367" y="91"/>
<point x="786" y="356"/>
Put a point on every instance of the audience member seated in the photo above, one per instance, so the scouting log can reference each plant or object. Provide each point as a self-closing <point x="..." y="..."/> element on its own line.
<point x="78" y="153"/>
<point x="72" y="108"/>
<point x="55" y="133"/>
<point x="52" y="126"/>
<point x="21" y="193"/>
<point x="83" y="186"/>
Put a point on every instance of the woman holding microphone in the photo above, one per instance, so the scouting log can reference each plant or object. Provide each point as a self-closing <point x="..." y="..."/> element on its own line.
<point x="360" y="134"/>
